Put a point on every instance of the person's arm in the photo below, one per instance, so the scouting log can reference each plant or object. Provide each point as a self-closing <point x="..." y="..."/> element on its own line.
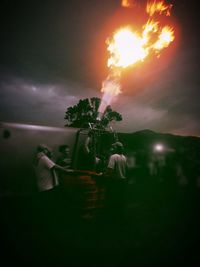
<point x="87" y="142"/>
<point x="110" y="169"/>
<point x="109" y="172"/>
<point x="60" y="168"/>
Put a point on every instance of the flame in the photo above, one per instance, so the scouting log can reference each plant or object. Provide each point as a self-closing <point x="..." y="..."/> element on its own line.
<point x="111" y="88"/>
<point x="159" y="7"/>
<point x="127" y="3"/>
<point x="166" y="37"/>
<point x="128" y="47"/>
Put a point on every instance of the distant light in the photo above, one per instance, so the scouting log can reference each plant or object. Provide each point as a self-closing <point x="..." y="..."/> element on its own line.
<point x="158" y="147"/>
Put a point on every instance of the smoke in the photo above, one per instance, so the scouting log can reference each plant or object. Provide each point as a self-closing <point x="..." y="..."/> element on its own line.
<point x="110" y="88"/>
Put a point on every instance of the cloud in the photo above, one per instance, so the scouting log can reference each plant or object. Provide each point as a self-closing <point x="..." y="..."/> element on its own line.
<point x="169" y="103"/>
<point x="28" y="102"/>
<point x="143" y="115"/>
<point x="138" y="116"/>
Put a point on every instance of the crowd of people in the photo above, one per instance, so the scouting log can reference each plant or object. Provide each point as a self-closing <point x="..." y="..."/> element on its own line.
<point x="138" y="203"/>
<point x="175" y="168"/>
<point x="48" y="172"/>
<point x="118" y="171"/>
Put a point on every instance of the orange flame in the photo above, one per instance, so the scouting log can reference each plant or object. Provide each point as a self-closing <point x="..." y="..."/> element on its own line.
<point x="165" y="37"/>
<point x="127" y="3"/>
<point x="159" y="7"/>
<point x="128" y="47"/>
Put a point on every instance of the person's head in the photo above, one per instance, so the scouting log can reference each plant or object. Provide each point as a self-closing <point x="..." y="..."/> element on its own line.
<point x="64" y="149"/>
<point x="44" y="149"/>
<point x="117" y="147"/>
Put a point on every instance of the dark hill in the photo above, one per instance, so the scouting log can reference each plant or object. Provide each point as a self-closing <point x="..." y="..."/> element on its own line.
<point x="145" y="139"/>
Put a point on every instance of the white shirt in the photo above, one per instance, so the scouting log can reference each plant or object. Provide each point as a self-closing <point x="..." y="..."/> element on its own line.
<point x="118" y="163"/>
<point x="46" y="177"/>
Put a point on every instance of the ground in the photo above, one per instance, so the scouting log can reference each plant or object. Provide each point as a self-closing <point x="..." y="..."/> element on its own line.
<point x="160" y="228"/>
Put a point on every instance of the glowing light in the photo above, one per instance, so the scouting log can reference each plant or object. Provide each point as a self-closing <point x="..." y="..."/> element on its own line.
<point x="158" y="148"/>
<point x="125" y="49"/>
<point x="166" y="37"/>
<point x="127" y="3"/>
<point x="127" y="46"/>
<point x="111" y="86"/>
<point x="158" y="7"/>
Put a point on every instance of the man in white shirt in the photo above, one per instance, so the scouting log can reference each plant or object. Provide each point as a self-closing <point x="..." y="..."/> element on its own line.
<point x="117" y="163"/>
<point x="45" y="169"/>
<point x="116" y="172"/>
<point x="49" y="199"/>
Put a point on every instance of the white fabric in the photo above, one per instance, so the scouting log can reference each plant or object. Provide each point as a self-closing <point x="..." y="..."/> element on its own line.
<point x="45" y="175"/>
<point x="118" y="163"/>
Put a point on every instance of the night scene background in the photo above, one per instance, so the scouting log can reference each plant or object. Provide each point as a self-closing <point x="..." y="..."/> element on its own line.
<point x="52" y="54"/>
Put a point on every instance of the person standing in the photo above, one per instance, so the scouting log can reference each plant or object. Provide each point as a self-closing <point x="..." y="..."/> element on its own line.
<point x="64" y="159"/>
<point x="46" y="175"/>
<point x="116" y="172"/>
<point x="117" y="164"/>
<point x="47" y="183"/>
<point x="90" y="152"/>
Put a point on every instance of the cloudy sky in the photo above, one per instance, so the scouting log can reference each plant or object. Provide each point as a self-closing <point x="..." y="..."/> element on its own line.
<point x="53" y="53"/>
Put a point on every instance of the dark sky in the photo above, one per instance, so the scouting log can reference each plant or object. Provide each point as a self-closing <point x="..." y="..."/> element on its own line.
<point x="53" y="53"/>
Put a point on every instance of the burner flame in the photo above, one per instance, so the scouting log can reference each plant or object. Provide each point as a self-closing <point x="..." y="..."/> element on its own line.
<point x="128" y="46"/>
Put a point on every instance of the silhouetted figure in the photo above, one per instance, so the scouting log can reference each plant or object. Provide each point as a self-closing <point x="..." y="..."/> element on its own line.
<point x="90" y="152"/>
<point x="117" y="163"/>
<point x="47" y="178"/>
<point x="131" y="166"/>
<point x="47" y="182"/>
<point x="152" y="165"/>
<point x="64" y="159"/>
<point x="116" y="172"/>
<point x="182" y="179"/>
